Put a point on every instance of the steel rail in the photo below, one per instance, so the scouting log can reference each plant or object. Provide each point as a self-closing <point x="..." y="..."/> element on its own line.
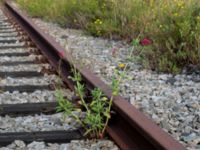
<point x="129" y="128"/>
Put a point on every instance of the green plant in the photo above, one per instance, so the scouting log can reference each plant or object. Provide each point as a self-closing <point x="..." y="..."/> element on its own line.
<point x="97" y="111"/>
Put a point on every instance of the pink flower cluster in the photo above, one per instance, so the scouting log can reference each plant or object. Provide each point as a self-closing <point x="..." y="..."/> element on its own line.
<point x="145" y="42"/>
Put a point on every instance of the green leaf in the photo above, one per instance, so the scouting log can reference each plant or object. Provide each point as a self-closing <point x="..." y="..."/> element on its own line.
<point x="135" y="42"/>
<point x="107" y="115"/>
<point x="87" y="132"/>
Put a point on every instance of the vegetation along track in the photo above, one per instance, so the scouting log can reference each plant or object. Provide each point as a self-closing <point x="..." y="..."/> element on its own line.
<point x="29" y="60"/>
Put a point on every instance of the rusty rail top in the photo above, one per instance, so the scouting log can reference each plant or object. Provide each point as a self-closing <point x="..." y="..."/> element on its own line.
<point x="129" y="128"/>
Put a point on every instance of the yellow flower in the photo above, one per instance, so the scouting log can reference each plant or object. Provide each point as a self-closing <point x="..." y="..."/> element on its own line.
<point x="98" y="22"/>
<point x="182" y="7"/>
<point x="121" y="66"/>
<point x="176" y="14"/>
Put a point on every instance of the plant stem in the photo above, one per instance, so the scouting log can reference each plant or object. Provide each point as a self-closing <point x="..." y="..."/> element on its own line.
<point x="78" y="120"/>
<point x="110" y="104"/>
<point x="85" y="105"/>
<point x="107" y="118"/>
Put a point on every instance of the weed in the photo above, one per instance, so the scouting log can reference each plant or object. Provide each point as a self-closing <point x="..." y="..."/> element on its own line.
<point x="97" y="111"/>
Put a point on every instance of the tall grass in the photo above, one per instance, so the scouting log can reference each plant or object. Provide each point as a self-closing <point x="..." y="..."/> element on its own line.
<point x="173" y="26"/>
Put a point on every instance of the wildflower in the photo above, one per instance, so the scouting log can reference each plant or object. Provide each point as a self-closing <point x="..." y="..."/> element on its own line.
<point x="61" y="53"/>
<point x="121" y="66"/>
<point x="98" y="21"/>
<point x="145" y="42"/>
<point x="175" y="14"/>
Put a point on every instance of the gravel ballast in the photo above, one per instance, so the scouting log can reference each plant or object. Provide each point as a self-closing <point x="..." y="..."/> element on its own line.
<point x="8" y="34"/>
<point x="36" y="123"/>
<point x="34" y="97"/>
<point x="46" y="80"/>
<point x="27" y="67"/>
<point x="18" y="44"/>
<point x="9" y="38"/>
<point x="13" y="59"/>
<point x="14" y="50"/>
<point x="73" y="145"/>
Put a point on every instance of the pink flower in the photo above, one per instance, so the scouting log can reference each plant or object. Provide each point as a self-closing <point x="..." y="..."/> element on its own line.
<point x="145" y="42"/>
<point x="61" y="53"/>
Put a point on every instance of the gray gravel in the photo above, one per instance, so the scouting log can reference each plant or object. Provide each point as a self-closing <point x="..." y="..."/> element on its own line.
<point x="16" y="44"/>
<point x="27" y="67"/>
<point x="7" y="30"/>
<point x="46" y="80"/>
<point x="9" y="25"/>
<point x="34" y="97"/>
<point x="12" y="59"/>
<point x="18" y="50"/>
<point x="8" y="34"/>
<point x="10" y="38"/>
<point x="74" y="145"/>
<point x="4" y="23"/>
<point x="173" y="102"/>
<point x="36" y="123"/>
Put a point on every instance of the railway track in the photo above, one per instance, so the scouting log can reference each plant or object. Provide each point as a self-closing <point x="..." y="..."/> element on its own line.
<point x="29" y="61"/>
